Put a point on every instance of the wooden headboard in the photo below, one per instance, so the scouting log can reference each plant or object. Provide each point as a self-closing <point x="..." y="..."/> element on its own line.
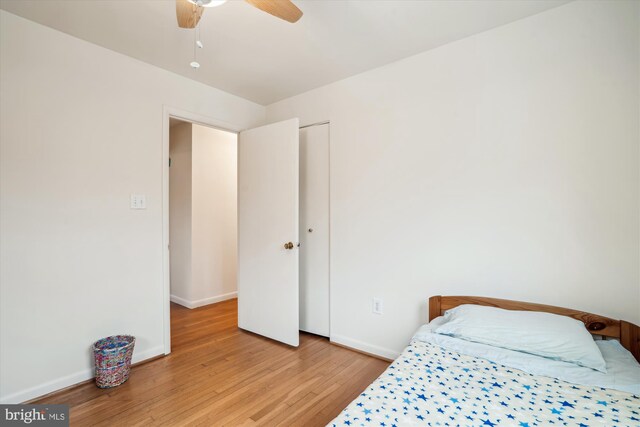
<point x="627" y="333"/>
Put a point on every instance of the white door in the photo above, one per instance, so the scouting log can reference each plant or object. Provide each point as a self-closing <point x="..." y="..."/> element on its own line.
<point x="314" y="229"/>
<point x="268" y="231"/>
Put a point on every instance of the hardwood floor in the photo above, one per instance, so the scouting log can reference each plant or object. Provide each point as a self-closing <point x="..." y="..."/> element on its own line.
<point x="218" y="374"/>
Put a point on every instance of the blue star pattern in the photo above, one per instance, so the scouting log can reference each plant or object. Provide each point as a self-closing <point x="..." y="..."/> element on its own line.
<point x="429" y="385"/>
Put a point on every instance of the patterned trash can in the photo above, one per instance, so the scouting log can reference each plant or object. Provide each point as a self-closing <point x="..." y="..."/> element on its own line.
<point x="113" y="359"/>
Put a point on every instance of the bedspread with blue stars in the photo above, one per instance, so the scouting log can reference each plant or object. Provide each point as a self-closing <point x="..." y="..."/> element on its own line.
<point x="429" y="385"/>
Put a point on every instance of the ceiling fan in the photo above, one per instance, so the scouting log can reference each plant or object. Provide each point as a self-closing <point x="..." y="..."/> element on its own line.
<point x="189" y="12"/>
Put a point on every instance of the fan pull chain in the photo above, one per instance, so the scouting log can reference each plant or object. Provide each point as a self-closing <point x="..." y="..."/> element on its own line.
<point x="199" y="38"/>
<point x="196" y="42"/>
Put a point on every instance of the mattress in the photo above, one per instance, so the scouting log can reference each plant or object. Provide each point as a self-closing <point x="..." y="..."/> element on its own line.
<point x="431" y="385"/>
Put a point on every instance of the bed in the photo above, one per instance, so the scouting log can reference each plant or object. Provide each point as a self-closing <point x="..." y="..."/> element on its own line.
<point x="443" y="380"/>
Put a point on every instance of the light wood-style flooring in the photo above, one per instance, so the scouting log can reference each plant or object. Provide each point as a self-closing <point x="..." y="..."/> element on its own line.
<point x="218" y="374"/>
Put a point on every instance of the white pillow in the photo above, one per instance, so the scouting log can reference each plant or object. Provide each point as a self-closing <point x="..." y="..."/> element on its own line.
<point x="622" y="367"/>
<point x="544" y="334"/>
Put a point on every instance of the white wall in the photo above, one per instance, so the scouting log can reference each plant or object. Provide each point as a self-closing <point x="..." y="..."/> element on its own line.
<point x="215" y="215"/>
<point x="504" y="164"/>
<point x="81" y="129"/>
<point x="180" y="203"/>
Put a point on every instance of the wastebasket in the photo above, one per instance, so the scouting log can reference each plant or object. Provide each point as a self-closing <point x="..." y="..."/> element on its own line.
<point x="113" y="359"/>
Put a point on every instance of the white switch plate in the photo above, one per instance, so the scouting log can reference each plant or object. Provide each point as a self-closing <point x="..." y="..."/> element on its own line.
<point x="138" y="201"/>
<point x="378" y="306"/>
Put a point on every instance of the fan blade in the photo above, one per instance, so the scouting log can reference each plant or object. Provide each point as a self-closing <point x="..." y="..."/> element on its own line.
<point x="188" y="14"/>
<point x="282" y="9"/>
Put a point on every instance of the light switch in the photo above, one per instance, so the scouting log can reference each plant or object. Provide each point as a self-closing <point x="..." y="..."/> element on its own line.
<point x="138" y="201"/>
<point x="378" y="306"/>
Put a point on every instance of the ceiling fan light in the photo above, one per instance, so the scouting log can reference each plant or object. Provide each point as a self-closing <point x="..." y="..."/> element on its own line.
<point x="195" y="65"/>
<point x="208" y="3"/>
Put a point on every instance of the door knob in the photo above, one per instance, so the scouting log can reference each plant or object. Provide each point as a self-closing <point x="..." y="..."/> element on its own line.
<point x="311" y="230"/>
<point x="288" y="245"/>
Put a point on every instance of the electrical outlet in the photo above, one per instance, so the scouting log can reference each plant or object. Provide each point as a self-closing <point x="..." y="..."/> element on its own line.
<point x="377" y="306"/>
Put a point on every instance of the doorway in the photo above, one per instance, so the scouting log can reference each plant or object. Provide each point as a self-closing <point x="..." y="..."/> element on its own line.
<point x="207" y="274"/>
<point x="202" y="214"/>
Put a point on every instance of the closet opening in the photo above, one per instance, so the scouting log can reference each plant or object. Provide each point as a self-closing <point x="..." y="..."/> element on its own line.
<point x="314" y="229"/>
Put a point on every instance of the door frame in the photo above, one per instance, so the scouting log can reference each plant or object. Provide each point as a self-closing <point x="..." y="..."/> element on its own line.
<point x="168" y="113"/>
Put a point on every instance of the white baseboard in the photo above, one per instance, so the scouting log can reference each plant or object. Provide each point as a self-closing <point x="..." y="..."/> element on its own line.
<point x="364" y="347"/>
<point x="69" y="380"/>
<point x="202" y="302"/>
<point x="181" y="301"/>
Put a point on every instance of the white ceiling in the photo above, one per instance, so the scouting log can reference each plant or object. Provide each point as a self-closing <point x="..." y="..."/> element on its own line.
<point x="264" y="59"/>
